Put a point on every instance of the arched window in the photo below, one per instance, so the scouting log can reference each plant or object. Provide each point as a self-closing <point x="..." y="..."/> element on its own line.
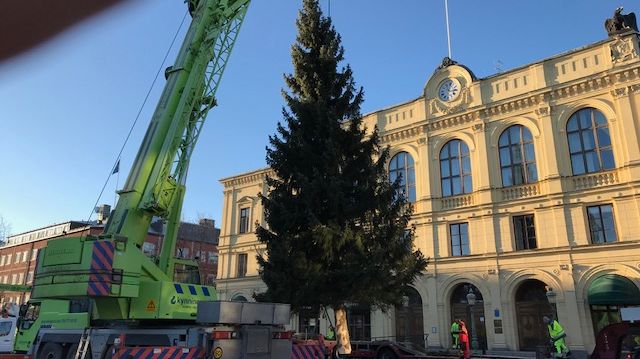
<point x="239" y="298"/>
<point x="589" y="142"/>
<point x="402" y="166"/>
<point x="455" y="168"/>
<point x="517" y="157"/>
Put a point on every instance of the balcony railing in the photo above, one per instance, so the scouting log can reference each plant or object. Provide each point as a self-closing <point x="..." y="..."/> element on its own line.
<point x="457" y="201"/>
<point x="524" y="191"/>
<point x="598" y="179"/>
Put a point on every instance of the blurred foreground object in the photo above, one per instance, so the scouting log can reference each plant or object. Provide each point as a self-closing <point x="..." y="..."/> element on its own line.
<point x="26" y="24"/>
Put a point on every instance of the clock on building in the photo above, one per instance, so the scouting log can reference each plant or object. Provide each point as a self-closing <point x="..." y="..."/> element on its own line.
<point x="448" y="90"/>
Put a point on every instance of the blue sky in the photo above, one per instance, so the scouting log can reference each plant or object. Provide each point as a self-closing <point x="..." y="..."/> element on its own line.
<point x="66" y="107"/>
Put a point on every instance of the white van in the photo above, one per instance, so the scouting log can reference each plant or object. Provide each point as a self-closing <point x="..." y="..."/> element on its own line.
<point x="8" y="327"/>
<point x="7" y="333"/>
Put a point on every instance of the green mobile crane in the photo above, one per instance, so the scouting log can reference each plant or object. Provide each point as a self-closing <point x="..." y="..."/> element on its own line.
<point x="106" y="281"/>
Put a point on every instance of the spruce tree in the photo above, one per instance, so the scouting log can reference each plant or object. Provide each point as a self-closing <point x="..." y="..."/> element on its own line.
<point x="337" y="228"/>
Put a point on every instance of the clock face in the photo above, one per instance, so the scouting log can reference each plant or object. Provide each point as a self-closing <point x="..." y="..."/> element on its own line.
<point x="448" y="90"/>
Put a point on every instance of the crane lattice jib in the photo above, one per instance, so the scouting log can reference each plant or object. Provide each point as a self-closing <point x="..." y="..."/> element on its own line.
<point x="155" y="186"/>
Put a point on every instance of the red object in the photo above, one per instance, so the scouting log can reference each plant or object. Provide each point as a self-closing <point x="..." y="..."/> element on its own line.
<point x="307" y="351"/>
<point x="464" y="340"/>
<point x="609" y="340"/>
<point x="15" y="356"/>
<point x="159" y="353"/>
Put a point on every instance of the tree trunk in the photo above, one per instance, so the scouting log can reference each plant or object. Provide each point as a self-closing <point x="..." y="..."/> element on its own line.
<point x="343" y="344"/>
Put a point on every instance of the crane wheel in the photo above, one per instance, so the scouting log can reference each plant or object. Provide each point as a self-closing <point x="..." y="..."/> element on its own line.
<point x="108" y="353"/>
<point x="335" y="354"/>
<point x="386" y="353"/>
<point x="50" y="350"/>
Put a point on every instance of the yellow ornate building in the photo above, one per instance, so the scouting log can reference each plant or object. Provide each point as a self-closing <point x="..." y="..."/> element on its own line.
<point x="526" y="187"/>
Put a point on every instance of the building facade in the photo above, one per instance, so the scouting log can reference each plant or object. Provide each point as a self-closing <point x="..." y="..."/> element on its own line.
<point x="18" y="256"/>
<point x="526" y="190"/>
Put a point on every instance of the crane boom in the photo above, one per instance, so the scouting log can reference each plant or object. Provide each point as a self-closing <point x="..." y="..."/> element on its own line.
<point x="155" y="186"/>
<point x="111" y="269"/>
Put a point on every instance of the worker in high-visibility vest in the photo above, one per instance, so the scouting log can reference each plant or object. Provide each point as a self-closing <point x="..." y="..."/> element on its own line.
<point x="331" y="333"/>
<point x="455" y="334"/>
<point x="557" y="335"/>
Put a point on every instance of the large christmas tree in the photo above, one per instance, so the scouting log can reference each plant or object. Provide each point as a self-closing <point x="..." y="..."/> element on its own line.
<point x="338" y="230"/>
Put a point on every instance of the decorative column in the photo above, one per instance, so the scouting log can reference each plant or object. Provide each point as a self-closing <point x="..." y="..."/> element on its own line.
<point x="547" y="147"/>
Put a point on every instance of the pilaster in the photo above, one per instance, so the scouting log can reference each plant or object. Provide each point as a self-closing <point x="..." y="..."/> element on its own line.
<point x="626" y="128"/>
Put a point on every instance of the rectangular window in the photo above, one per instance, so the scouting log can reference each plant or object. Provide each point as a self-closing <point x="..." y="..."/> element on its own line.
<point x="601" y="224"/>
<point x="2" y="258"/>
<point x="9" y="258"/>
<point x="183" y="253"/>
<point x="18" y="256"/>
<point x="459" y="233"/>
<point x="29" y="277"/>
<point x="213" y="258"/>
<point x="34" y="254"/>
<point x="525" y="232"/>
<point x="20" y="278"/>
<point x="242" y="265"/>
<point x="25" y="255"/>
<point x="244" y="220"/>
<point x="13" y="278"/>
<point x="149" y="249"/>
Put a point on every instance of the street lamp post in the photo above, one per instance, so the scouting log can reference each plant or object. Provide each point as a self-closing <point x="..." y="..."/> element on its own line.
<point x="471" y="300"/>
<point x="551" y="298"/>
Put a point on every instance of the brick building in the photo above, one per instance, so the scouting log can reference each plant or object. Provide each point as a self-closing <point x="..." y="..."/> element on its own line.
<point x="195" y="241"/>
<point x="18" y="256"/>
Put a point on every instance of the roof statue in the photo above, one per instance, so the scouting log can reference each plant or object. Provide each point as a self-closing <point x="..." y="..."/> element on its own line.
<point x="620" y="23"/>
<point x="446" y="62"/>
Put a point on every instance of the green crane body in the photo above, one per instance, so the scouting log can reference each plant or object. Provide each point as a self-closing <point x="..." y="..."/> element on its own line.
<point x="111" y="269"/>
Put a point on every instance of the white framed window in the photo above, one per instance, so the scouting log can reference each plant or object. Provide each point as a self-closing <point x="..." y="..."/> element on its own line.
<point x="34" y="254"/>
<point x="18" y="255"/>
<point x="13" y="278"/>
<point x="25" y="255"/>
<point x="2" y="258"/>
<point x="149" y="248"/>
<point x="213" y="258"/>
<point x="184" y="252"/>
<point x="20" y="278"/>
<point x="8" y="258"/>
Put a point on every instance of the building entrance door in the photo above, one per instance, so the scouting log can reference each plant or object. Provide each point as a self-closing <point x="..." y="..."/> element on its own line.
<point x="460" y="309"/>
<point x="409" y="320"/>
<point x="531" y="306"/>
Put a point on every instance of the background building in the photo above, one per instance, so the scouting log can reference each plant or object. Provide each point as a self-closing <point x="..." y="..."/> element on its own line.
<point x="526" y="188"/>
<point x="18" y="256"/>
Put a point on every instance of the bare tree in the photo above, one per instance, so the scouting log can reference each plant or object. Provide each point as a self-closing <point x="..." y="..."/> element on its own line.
<point x="5" y="230"/>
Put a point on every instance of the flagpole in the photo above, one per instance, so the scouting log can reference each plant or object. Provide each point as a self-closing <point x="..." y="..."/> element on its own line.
<point x="446" y="14"/>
